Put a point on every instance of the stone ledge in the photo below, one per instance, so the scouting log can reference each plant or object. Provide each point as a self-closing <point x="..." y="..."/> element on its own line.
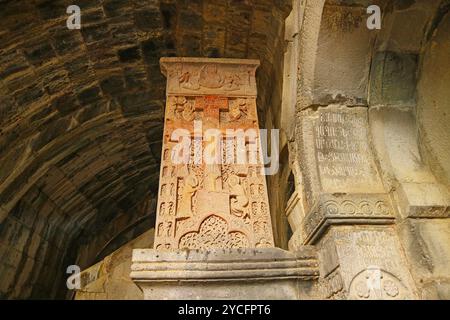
<point x="266" y="273"/>
<point x="429" y="212"/>
<point x="223" y="264"/>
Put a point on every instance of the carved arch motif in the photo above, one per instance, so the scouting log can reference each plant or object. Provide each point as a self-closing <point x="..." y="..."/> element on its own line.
<point x="213" y="233"/>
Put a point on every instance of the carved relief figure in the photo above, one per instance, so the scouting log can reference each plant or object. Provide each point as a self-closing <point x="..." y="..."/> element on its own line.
<point x="187" y="81"/>
<point x="160" y="229"/>
<point x="183" y="108"/>
<point x="210" y="77"/>
<point x="237" y="79"/>
<point x="188" y="112"/>
<point x="238" y="199"/>
<point x="169" y="229"/>
<point x="212" y="176"/>
<point x="188" y="191"/>
<point x="238" y="108"/>
<point x="171" y="208"/>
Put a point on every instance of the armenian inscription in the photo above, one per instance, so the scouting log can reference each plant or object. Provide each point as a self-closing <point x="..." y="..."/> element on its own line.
<point x="342" y="152"/>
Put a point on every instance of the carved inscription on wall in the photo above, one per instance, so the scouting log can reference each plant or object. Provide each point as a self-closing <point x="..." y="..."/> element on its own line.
<point x="374" y="264"/>
<point x="343" y="156"/>
<point x="223" y="204"/>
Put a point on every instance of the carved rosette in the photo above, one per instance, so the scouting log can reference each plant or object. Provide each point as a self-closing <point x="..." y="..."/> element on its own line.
<point x="374" y="283"/>
<point x="203" y="205"/>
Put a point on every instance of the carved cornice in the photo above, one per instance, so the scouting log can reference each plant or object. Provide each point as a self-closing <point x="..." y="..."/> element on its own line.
<point x="346" y="209"/>
<point x="206" y="76"/>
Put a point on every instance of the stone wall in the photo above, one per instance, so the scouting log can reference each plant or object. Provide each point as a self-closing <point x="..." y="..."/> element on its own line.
<point x="368" y="148"/>
<point x="110" y="279"/>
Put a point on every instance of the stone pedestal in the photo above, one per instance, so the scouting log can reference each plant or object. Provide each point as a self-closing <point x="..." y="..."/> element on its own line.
<point x="267" y="273"/>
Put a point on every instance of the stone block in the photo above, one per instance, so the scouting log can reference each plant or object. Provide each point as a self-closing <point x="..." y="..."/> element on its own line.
<point x="129" y="54"/>
<point x="148" y="20"/>
<point x="336" y="155"/>
<point x="393" y="79"/>
<point x="365" y="263"/>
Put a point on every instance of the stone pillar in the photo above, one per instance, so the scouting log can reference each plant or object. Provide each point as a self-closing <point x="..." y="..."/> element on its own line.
<point x="217" y="208"/>
<point x="348" y="214"/>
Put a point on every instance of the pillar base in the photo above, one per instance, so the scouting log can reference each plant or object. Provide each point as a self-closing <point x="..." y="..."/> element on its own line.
<point x="266" y="273"/>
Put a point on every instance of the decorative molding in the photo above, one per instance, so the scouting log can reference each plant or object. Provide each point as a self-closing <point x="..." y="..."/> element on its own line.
<point x="264" y="263"/>
<point x="355" y="209"/>
<point x="250" y="273"/>
<point x="374" y="283"/>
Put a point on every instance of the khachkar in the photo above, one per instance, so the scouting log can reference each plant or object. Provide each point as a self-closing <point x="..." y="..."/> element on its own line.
<point x="213" y="234"/>
<point x="212" y="193"/>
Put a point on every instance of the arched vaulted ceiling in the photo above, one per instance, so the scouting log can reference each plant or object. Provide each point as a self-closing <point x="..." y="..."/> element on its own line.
<point x="81" y="119"/>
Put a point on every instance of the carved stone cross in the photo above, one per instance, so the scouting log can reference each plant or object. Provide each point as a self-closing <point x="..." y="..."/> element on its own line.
<point x="204" y="205"/>
<point x="211" y="107"/>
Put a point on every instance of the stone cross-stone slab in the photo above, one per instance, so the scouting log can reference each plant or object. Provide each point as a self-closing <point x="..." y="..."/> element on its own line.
<point x="216" y="205"/>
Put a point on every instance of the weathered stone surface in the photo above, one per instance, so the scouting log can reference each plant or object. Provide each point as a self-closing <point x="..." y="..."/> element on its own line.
<point x="109" y="279"/>
<point x="393" y="79"/>
<point x="368" y="262"/>
<point x="397" y="252"/>
<point x="336" y="156"/>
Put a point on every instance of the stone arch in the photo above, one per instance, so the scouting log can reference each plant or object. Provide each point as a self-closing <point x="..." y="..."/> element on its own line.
<point x="433" y="101"/>
<point x="335" y="53"/>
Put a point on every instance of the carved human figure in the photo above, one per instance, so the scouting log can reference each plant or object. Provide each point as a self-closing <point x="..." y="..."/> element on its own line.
<point x="232" y="82"/>
<point x="171" y="209"/>
<point x="213" y="177"/>
<point x="186" y="81"/>
<point x="183" y="108"/>
<point x="178" y="106"/>
<point x="160" y="229"/>
<point x="237" y="108"/>
<point x="238" y="198"/>
<point x="210" y="77"/>
<point x="188" y="112"/>
<point x="169" y="229"/>
<point x="188" y="191"/>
